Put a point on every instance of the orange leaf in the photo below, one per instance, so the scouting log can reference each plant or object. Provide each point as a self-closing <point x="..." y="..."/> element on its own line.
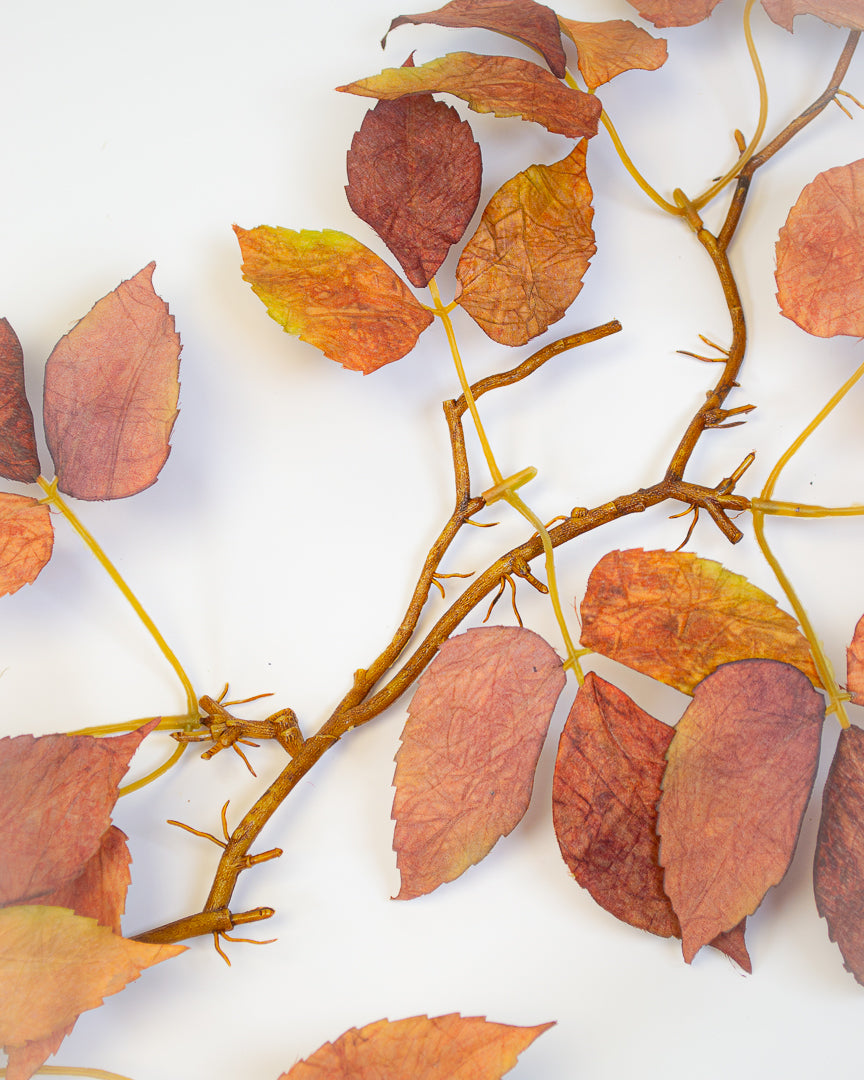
<point x="18" y="457"/>
<point x="839" y="12"/>
<point x="524" y="266"/>
<point x="740" y="770"/>
<point x="449" y="1047"/>
<point x="111" y="392"/>
<point x="533" y="24"/>
<point x="674" y="12"/>
<point x="605" y="49"/>
<point x="820" y="255"/>
<point x="26" y="540"/>
<point x="465" y="770"/>
<point x="334" y="293"/>
<point x="676" y="617"/>
<point x="414" y="174"/>
<point x="503" y="85"/>
<point x="855" y="664"/>
<point x="838" y="872"/>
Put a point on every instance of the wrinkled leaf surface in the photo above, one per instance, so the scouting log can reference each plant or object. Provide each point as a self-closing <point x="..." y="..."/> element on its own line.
<point x="26" y="540"/>
<point x="606" y="49"/>
<point x="18" y="457"/>
<point x="839" y="12"/>
<point x="855" y="664"/>
<point x="674" y="12"/>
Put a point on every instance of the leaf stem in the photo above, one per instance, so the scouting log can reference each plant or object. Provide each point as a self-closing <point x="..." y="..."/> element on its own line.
<point x="58" y="1070"/>
<point x="805" y="510"/>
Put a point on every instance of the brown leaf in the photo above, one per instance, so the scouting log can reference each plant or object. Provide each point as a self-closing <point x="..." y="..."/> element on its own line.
<point x="740" y="770"/>
<point x="674" y="12"/>
<point x="605" y="49"/>
<point x="414" y="174"/>
<point x="503" y="85"/>
<point x="111" y="392"/>
<point x="533" y="24"/>
<point x="848" y="13"/>
<point x="820" y="255"/>
<point x="56" y="796"/>
<point x="465" y="770"/>
<point x="333" y="292"/>
<point x="18" y="457"/>
<point x="838" y="871"/>
<point x="449" y="1047"/>
<point x="524" y="266"/>
<point x="855" y="664"/>
<point x="676" y="617"/>
<point x="26" y="540"/>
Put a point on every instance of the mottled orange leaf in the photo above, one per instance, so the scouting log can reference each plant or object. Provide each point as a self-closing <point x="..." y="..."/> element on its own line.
<point x="605" y="49"/>
<point x="26" y="540"/>
<point x="333" y="292"/>
<point x="531" y="23"/>
<point x="855" y="664"/>
<point x="451" y="1047"/>
<point x="503" y="85"/>
<point x="465" y="769"/>
<point x="414" y="174"/>
<point x="674" y="12"/>
<point x="56" y="796"/>
<point x="111" y="390"/>
<point x="848" y="13"/>
<point x="18" y="457"/>
<point x="838" y="871"/>
<point x="820" y="255"/>
<point x="740" y="770"/>
<point x="677" y="617"/>
<point x="524" y="266"/>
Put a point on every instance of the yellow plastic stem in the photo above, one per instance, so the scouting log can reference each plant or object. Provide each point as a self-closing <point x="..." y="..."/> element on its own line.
<point x="166" y="723"/>
<point x="791" y="509"/>
<point x="58" y="1070"/>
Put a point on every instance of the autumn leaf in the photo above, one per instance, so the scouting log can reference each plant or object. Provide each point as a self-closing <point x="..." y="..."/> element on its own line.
<point x="449" y="1047"/>
<point x="606" y="49"/>
<point x="18" y="457"/>
<point x="465" y="769"/>
<point x="503" y="85"/>
<point x="524" y="266"/>
<point x="674" y="12"/>
<point x="847" y="13"/>
<point x="533" y="24"/>
<point x="111" y="392"/>
<point x="741" y="766"/>
<point x="677" y="617"/>
<point x="820" y="255"/>
<point x="855" y="664"/>
<point x="26" y="540"/>
<point x="838" y="872"/>
<point x="333" y="292"/>
<point x="414" y="174"/>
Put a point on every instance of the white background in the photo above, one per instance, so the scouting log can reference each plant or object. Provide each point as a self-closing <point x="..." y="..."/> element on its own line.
<point x="281" y="542"/>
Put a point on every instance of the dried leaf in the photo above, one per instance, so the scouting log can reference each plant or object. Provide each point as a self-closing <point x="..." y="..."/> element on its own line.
<point x="465" y="770"/>
<point x="503" y="85"/>
<point x="838" y="872"/>
<point x="26" y="540"/>
<point x="449" y="1047"/>
<point x="56" y="796"/>
<point x="674" y="12"/>
<point x="855" y="664"/>
<point x="18" y="457"/>
<point x="605" y="49"/>
<point x="111" y="392"/>
<point x="676" y="617"/>
<point x="848" y="13"/>
<point x="533" y="24"/>
<point x="524" y="266"/>
<point x="333" y="292"/>
<point x="414" y="174"/>
<point x="820" y="255"/>
<point x="740" y="770"/>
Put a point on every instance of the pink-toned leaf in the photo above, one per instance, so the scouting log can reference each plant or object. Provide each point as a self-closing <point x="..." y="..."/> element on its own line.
<point x="820" y="255"/>
<point x="26" y="540"/>
<point x="414" y="174"/>
<point x="524" y="266"/>
<point x="449" y="1047"/>
<point x="740" y="770"/>
<point x="848" y="13"/>
<point x="465" y="770"/>
<point x="531" y="23"/>
<point x="503" y="85"/>
<point x="855" y="664"/>
<point x="838" y="871"/>
<point x="111" y="392"/>
<point x="606" y="49"/>
<point x="674" y="12"/>
<point x="18" y="457"/>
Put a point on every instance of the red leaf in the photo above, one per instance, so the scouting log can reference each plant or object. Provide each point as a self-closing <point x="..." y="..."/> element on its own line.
<point x="18" y="457"/>
<point x="855" y="664"/>
<point x="606" y="49"/>
<point x="740" y="770"/>
<point x="839" y="12"/>
<point x="111" y="392"/>
<point x="533" y="24"/>
<point x="26" y="540"/>
<point x="820" y="255"/>
<point x="674" y="12"/>
<point x="838" y="872"/>
<point x="465" y="770"/>
<point x="414" y="174"/>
